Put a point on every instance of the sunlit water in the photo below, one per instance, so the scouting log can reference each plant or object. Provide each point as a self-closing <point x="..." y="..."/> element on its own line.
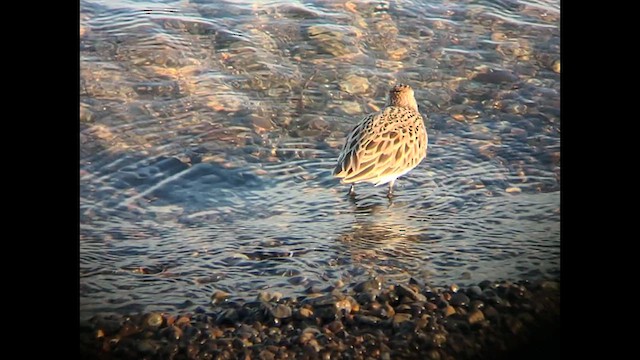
<point x="209" y="130"/>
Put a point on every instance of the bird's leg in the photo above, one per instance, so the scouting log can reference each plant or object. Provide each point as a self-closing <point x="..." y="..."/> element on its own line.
<point x="390" y="193"/>
<point x="352" y="190"/>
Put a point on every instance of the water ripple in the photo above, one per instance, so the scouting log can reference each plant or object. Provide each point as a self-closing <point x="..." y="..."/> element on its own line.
<point x="209" y="131"/>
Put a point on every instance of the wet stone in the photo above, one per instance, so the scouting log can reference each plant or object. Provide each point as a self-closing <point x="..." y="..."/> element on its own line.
<point x="434" y="355"/>
<point x="366" y="298"/>
<point x="246" y="331"/>
<point x="404" y="290"/>
<point x="169" y="88"/>
<point x="326" y="312"/>
<point x="474" y="291"/>
<point x="430" y="306"/>
<point x="219" y="297"/>
<point x="441" y="303"/>
<point x="374" y="284"/>
<point x="459" y="299"/>
<point x="368" y="320"/>
<point x="154" y="320"/>
<point x="439" y="339"/>
<point x="183" y="321"/>
<point x="191" y="333"/>
<point x="333" y="39"/>
<point x="335" y="326"/>
<point x="550" y="285"/>
<point x="400" y="318"/>
<point x="318" y="124"/>
<point x="228" y="316"/>
<point x="261" y="124"/>
<point x="495" y="77"/>
<point x="516" y="292"/>
<point x="417" y="282"/>
<point x="172" y="332"/>
<point x="281" y="311"/>
<point x="354" y="84"/>
<point x="266" y="355"/>
<point x="343" y="306"/>
<point x="351" y="107"/>
<point x="475" y="316"/>
<point x="449" y="310"/>
<point x="305" y="313"/>
<point x="276" y="296"/>
<point x="108" y="326"/>
<point x="476" y="305"/>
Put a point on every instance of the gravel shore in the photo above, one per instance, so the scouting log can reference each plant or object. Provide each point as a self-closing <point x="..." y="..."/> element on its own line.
<point x="368" y="320"/>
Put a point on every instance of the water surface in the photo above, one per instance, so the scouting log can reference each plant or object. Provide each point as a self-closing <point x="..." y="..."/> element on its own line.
<point x="209" y="130"/>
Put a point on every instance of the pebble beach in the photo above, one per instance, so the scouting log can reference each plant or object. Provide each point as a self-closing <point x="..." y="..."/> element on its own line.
<point x="372" y="320"/>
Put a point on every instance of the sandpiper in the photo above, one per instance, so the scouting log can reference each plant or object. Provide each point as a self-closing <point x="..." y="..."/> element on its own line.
<point x="386" y="144"/>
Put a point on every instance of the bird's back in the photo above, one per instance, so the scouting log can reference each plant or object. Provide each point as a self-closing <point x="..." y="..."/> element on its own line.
<point x="383" y="146"/>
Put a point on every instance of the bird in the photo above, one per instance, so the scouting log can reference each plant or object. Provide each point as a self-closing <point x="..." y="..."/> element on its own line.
<point x="385" y="144"/>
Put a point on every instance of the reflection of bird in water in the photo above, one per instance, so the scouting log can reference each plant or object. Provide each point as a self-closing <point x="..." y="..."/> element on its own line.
<point x="384" y="145"/>
<point x="386" y="241"/>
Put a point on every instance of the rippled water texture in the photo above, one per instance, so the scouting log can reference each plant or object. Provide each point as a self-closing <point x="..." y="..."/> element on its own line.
<point x="209" y="130"/>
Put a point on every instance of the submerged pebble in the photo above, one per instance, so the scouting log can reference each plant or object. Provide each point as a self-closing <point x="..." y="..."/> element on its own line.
<point x="354" y="84"/>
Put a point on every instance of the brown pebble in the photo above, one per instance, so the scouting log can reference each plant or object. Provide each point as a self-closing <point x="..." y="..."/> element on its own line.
<point x="261" y="124"/>
<point x="422" y="322"/>
<point x="335" y="326"/>
<point x="183" y="321"/>
<point x="390" y="311"/>
<point x="449" y="310"/>
<point x="475" y="317"/>
<point x="305" y="313"/>
<point x="267" y="355"/>
<point x="216" y="332"/>
<point x="434" y="354"/>
<point x="439" y="339"/>
<point x="308" y="334"/>
<point x="343" y="305"/>
<point x="400" y="318"/>
<point x="550" y="285"/>
<point x="219" y="296"/>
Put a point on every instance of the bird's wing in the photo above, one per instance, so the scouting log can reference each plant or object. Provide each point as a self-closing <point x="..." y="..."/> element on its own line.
<point x="374" y="148"/>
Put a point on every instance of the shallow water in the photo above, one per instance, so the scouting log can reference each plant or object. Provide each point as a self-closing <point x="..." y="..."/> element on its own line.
<point x="209" y="130"/>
